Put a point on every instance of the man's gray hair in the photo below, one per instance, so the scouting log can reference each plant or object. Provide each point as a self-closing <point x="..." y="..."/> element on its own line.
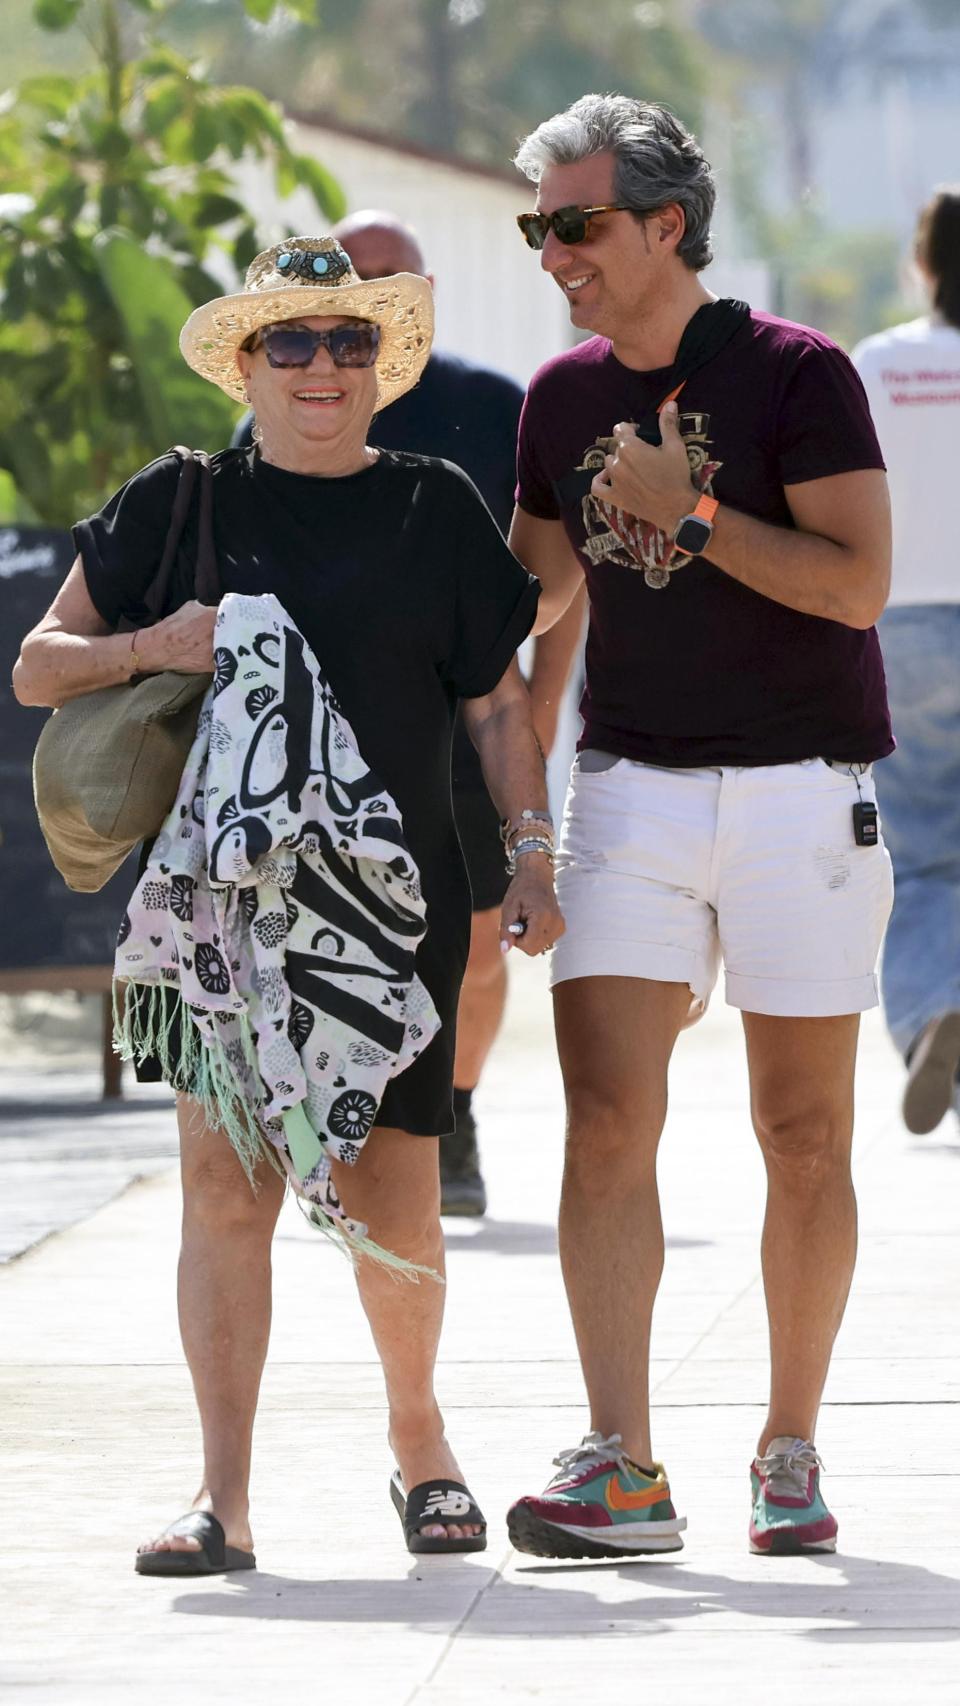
<point x="656" y="160"/>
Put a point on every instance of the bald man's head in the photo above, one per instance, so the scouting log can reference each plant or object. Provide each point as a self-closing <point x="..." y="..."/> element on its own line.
<point x="378" y="244"/>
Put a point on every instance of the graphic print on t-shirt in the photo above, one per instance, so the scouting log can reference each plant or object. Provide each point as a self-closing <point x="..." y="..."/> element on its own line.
<point x="614" y="536"/>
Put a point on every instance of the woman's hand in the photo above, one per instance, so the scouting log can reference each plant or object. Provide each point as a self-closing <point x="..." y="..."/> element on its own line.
<point x="182" y="641"/>
<point x="530" y="901"/>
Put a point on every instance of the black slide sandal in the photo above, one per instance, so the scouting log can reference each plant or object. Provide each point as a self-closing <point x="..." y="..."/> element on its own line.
<point x="214" y="1558"/>
<point x="439" y="1501"/>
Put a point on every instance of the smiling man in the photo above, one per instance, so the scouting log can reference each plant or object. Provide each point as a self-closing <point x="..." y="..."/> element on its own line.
<point x="714" y="474"/>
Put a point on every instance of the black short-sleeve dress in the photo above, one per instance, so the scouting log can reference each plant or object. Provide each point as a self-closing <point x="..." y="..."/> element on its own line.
<point x="403" y="587"/>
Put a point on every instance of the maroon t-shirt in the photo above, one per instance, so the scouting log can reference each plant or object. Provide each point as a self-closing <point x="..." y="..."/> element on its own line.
<point x="687" y="666"/>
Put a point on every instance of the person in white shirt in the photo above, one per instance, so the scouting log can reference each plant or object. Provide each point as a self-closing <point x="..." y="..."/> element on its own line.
<point x="912" y="378"/>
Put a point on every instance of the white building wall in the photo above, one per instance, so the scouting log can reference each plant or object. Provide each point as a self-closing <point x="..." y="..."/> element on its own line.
<point x="879" y="155"/>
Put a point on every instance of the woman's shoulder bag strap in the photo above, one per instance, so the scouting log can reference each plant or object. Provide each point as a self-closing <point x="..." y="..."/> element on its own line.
<point x="207" y="575"/>
<point x="193" y="464"/>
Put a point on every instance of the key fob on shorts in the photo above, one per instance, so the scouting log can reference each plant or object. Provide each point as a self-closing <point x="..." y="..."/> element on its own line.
<point x="865" y="830"/>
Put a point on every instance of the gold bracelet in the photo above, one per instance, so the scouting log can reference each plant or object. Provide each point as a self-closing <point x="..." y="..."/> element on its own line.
<point x="134" y="659"/>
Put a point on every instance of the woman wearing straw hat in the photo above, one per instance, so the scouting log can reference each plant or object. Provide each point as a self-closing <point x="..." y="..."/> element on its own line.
<point x="395" y="575"/>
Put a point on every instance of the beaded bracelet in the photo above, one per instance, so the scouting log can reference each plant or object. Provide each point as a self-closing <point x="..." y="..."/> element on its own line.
<point x="536" y="826"/>
<point x="529" y="844"/>
<point x="538" y="818"/>
<point x="541" y="830"/>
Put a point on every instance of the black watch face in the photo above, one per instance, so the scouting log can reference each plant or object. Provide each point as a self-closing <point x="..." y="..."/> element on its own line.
<point x="693" y="535"/>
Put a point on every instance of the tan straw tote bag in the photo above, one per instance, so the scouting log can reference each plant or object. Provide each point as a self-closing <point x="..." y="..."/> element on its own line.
<point x="108" y="764"/>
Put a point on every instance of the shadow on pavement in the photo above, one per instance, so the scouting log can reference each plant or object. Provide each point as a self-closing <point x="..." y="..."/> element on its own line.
<point x="849" y="1598"/>
<point x="847" y="1594"/>
<point x="523" y="1237"/>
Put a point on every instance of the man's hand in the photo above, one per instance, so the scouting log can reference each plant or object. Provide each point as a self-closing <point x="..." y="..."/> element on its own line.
<point x="650" y="481"/>
<point x="530" y="900"/>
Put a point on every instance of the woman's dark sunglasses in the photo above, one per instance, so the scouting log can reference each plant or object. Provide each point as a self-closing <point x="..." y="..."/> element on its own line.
<point x="569" y="224"/>
<point x="296" y="346"/>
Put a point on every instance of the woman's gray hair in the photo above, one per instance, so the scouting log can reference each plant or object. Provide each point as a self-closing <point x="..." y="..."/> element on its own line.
<point x="656" y="160"/>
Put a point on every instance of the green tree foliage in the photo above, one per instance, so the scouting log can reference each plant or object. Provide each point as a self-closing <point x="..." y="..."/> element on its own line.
<point x="518" y="64"/>
<point x="781" y="44"/>
<point x="466" y="77"/>
<point x="115" y="200"/>
<point x="843" y="282"/>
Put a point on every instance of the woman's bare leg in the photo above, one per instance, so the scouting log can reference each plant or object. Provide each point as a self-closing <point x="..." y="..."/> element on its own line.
<point x="224" y="1302"/>
<point x="395" y="1188"/>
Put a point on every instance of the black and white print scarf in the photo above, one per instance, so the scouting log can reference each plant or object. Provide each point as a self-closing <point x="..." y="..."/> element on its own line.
<point x="282" y="905"/>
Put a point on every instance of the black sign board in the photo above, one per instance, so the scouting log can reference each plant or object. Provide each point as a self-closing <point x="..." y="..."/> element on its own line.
<point x="42" y="922"/>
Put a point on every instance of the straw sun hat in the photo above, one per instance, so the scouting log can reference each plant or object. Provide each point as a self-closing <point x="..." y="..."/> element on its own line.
<point x="313" y="275"/>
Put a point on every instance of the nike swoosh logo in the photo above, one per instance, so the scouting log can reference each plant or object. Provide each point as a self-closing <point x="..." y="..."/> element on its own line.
<point x="620" y="1499"/>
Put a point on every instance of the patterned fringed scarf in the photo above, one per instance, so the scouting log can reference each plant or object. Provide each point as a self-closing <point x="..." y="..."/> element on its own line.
<point x="282" y="906"/>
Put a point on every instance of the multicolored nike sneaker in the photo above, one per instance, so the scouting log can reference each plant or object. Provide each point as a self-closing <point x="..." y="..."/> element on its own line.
<point x="598" y="1505"/>
<point x="788" y="1513"/>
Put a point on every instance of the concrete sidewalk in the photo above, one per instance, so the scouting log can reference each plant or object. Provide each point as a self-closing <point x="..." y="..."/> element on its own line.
<point x="100" y="1444"/>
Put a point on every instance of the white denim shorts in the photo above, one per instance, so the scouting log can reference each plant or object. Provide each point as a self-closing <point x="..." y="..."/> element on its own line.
<point x="662" y="874"/>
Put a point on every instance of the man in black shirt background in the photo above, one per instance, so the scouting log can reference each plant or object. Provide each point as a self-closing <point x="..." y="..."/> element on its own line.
<point x="470" y="416"/>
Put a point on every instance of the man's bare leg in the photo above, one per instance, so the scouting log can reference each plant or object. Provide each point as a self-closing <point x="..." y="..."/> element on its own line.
<point x="395" y="1188"/>
<point x="801" y="1080"/>
<point x="615" y="1037"/>
<point x="224" y="1302"/>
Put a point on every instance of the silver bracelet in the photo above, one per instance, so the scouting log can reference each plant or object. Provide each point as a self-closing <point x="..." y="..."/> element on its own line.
<point x="529" y="844"/>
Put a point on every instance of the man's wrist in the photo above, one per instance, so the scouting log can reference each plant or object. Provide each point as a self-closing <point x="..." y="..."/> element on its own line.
<point x="689" y="501"/>
<point x="679" y="507"/>
<point x="693" y="533"/>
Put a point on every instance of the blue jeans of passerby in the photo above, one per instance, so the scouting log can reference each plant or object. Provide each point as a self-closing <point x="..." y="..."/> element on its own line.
<point x="918" y="791"/>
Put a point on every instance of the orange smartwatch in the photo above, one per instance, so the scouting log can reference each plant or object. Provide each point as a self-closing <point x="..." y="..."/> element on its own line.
<point x="694" y="532"/>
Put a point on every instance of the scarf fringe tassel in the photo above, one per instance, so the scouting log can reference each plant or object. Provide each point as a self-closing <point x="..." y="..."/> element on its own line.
<point x="144" y="1017"/>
